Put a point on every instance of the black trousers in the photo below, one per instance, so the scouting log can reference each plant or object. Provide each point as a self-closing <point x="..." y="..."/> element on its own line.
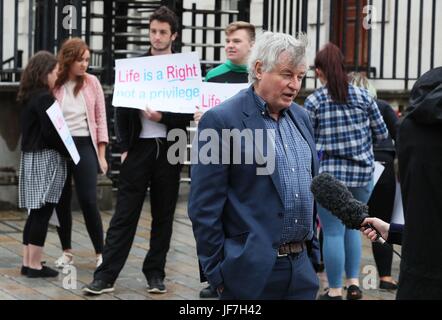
<point x="85" y="176"/>
<point x="36" y="227"/>
<point x="146" y="165"/>
<point x="381" y="206"/>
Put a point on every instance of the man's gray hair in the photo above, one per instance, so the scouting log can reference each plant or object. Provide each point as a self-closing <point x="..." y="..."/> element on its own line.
<point x="269" y="47"/>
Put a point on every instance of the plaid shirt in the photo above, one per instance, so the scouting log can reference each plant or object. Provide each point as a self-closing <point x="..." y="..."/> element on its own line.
<point x="344" y="134"/>
<point x="293" y="162"/>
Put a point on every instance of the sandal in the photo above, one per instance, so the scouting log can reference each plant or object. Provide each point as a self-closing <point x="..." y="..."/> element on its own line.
<point x="387" y="285"/>
<point x="354" y="293"/>
<point x="326" y="296"/>
<point x="66" y="259"/>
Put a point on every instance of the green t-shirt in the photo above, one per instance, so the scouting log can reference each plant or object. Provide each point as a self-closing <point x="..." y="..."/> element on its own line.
<point x="228" y="73"/>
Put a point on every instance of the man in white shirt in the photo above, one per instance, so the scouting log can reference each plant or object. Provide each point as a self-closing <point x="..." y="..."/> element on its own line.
<point x="142" y="138"/>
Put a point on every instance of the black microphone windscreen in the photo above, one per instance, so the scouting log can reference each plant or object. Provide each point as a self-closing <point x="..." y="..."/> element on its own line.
<point x="334" y="196"/>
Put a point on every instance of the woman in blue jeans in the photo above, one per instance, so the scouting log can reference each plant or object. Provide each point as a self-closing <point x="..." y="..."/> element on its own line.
<point x="346" y="121"/>
<point x="342" y="249"/>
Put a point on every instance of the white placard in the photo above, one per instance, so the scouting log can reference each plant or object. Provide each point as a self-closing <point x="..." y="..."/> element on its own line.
<point x="213" y="94"/>
<point x="169" y="82"/>
<point x="57" y="119"/>
<point x="378" y="169"/>
<point x="398" y="210"/>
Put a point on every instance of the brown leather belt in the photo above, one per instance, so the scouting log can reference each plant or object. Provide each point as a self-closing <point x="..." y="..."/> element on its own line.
<point x="290" y="248"/>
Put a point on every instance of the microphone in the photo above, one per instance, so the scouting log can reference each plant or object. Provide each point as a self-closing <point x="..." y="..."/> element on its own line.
<point x="334" y="196"/>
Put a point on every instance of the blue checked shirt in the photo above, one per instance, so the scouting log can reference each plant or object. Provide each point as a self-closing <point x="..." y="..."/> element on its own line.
<point x="344" y="134"/>
<point x="293" y="162"/>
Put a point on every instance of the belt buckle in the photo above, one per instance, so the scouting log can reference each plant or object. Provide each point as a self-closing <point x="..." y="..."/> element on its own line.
<point x="282" y="255"/>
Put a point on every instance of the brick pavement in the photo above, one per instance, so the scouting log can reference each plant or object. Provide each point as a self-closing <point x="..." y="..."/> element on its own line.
<point x="182" y="278"/>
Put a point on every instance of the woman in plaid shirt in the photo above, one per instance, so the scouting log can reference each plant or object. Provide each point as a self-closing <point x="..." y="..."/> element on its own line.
<point x="346" y="121"/>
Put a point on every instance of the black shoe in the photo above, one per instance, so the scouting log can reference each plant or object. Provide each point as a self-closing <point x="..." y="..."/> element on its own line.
<point x="208" y="293"/>
<point x="327" y="297"/>
<point x="98" y="287"/>
<point x="386" y="285"/>
<point x="24" y="270"/>
<point x="156" y="285"/>
<point x="354" y="293"/>
<point x="44" y="272"/>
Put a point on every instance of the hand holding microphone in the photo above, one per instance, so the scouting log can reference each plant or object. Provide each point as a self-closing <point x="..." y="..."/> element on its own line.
<point x="380" y="226"/>
<point x="334" y="196"/>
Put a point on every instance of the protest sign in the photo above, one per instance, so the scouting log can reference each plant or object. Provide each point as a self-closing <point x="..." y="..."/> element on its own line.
<point x="56" y="115"/>
<point x="213" y="94"/>
<point x="163" y="83"/>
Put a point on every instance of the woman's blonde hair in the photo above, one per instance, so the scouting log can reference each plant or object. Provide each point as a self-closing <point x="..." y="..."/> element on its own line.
<point x="359" y="79"/>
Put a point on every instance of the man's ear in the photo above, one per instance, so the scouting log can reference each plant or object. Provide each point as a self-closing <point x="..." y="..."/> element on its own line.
<point x="173" y="37"/>
<point x="258" y="69"/>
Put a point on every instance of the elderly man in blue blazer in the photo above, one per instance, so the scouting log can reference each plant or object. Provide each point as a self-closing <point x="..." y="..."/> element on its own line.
<point x="250" y="202"/>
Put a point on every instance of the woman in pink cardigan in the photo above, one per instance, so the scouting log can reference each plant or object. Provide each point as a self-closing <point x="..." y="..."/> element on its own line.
<point x="82" y="102"/>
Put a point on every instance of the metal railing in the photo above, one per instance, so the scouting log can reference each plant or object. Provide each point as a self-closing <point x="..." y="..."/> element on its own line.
<point x="206" y="28"/>
<point x="11" y="56"/>
<point x="375" y="36"/>
<point x="401" y="44"/>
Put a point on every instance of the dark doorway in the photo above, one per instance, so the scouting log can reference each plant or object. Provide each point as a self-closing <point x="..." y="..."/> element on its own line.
<point x="348" y="32"/>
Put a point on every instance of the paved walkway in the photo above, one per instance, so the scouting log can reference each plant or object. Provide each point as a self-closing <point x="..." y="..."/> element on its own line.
<point x="182" y="278"/>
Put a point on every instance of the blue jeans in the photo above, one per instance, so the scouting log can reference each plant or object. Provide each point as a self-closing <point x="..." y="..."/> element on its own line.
<point x="342" y="246"/>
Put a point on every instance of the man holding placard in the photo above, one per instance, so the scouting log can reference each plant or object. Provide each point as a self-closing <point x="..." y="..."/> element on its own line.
<point x="142" y="135"/>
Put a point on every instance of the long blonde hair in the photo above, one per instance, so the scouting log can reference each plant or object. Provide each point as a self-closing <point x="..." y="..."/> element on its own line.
<point x="359" y="79"/>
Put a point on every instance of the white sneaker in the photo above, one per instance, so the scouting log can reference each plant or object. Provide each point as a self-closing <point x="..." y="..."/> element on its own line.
<point x="99" y="260"/>
<point x="66" y="259"/>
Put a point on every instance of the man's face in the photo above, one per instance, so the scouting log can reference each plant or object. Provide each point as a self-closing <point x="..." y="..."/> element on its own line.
<point x="280" y="86"/>
<point x="161" y="36"/>
<point x="238" y="46"/>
